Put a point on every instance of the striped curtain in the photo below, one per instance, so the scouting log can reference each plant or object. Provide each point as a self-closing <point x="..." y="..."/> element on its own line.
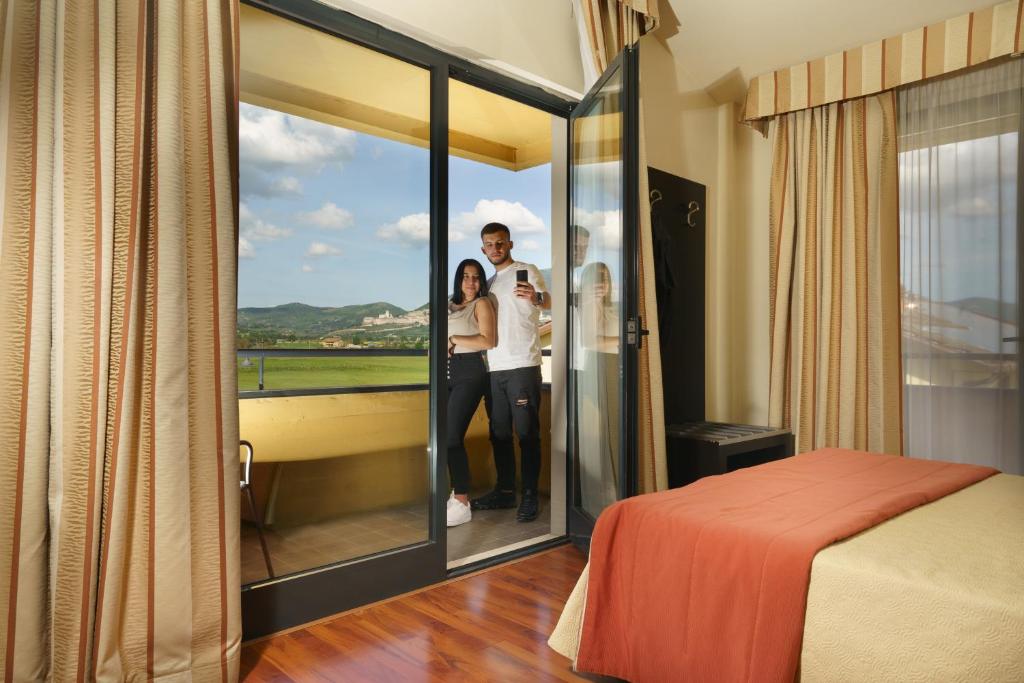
<point x="834" y="276"/>
<point x="605" y="28"/>
<point x="118" y="425"/>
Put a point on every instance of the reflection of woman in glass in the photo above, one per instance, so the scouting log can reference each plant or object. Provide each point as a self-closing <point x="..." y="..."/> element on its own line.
<point x="600" y="323"/>
<point x="598" y="387"/>
<point x="471" y="330"/>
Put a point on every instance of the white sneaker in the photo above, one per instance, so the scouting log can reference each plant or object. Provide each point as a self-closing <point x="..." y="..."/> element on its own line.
<point x="458" y="513"/>
<point x="451" y="499"/>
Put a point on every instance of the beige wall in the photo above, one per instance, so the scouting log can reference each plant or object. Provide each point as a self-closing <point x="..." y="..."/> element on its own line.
<point x="521" y="37"/>
<point x="738" y="372"/>
<point x="692" y="136"/>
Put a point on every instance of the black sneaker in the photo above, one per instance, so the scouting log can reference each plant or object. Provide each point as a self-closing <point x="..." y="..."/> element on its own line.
<point x="495" y="500"/>
<point x="529" y="508"/>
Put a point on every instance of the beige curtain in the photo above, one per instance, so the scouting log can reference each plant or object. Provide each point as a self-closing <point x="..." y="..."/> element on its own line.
<point x="605" y="28"/>
<point x="834" y="276"/>
<point x="118" y="425"/>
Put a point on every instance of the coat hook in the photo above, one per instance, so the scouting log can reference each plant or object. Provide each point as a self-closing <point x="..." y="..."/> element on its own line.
<point x="693" y="207"/>
<point x="655" y="197"/>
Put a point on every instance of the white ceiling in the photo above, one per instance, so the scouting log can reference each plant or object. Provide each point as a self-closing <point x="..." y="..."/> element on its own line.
<point x="709" y="39"/>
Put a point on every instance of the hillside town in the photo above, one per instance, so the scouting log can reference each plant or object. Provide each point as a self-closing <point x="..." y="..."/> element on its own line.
<point x="419" y="318"/>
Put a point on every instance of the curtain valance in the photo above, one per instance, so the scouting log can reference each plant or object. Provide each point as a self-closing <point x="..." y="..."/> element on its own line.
<point x="926" y="52"/>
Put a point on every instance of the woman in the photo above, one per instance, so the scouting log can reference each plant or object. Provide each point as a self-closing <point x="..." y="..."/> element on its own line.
<point x="472" y="330"/>
<point x="597" y="385"/>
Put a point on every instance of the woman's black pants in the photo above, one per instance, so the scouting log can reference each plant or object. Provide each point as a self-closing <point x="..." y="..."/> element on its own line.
<point x="467" y="384"/>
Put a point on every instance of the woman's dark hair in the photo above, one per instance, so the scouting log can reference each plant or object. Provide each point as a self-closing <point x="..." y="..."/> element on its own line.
<point x="457" y="288"/>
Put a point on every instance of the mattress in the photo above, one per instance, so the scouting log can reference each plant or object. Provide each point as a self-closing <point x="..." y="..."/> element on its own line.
<point x="936" y="593"/>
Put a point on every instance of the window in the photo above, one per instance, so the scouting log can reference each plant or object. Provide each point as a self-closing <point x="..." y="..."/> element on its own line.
<point x="960" y="235"/>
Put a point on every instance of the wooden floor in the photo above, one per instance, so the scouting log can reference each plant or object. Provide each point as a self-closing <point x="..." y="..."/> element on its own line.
<point x="491" y="626"/>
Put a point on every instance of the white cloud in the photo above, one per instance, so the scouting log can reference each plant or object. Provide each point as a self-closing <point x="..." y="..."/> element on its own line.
<point x="601" y="180"/>
<point x="529" y="245"/>
<point x="287" y="185"/>
<point x="413" y="229"/>
<point x="519" y="219"/>
<point x="604" y="226"/>
<point x="245" y="249"/>
<point x="330" y="216"/>
<point x="320" y="249"/>
<point x="255" y="228"/>
<point x="975" y="207"/>
<point x="269" y="139"/>
<point x="255" y="182"/>
<point x="306" y="268"/>
<point x="266" y="232"/>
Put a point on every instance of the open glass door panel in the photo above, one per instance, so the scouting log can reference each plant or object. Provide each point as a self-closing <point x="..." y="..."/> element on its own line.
<point x="603" y="217"/>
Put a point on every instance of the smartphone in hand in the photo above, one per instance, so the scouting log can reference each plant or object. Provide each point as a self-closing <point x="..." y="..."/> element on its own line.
<point x="522" y="276"/>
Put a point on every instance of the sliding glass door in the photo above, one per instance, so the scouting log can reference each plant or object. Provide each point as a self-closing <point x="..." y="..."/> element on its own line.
<point x="344" y="148"/>
<point x="342" y="244"/>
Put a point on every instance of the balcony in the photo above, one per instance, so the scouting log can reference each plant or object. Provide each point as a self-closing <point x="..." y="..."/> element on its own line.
<point x="340" y="466"/>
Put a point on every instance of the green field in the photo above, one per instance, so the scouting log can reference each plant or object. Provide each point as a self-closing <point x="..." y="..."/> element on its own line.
<point x="309" y="373"/>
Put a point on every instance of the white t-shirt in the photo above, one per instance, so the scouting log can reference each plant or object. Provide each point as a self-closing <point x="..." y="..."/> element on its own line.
<point x="518" y="340"/>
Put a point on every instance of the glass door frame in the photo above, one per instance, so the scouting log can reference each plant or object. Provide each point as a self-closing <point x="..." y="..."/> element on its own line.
<point x="271" y="606"/>
<point x="1020" y="285"/>
<point x="579" y="524"/>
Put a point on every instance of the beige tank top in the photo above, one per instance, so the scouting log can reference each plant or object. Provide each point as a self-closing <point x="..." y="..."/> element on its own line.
<point x="462" y="321"/>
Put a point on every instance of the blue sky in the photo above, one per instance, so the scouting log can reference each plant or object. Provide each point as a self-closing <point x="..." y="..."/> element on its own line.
<point x="332" y="217"/>
<point x="958" y="204"/>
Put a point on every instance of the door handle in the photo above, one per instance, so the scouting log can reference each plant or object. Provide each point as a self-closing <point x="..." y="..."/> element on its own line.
<point x="1011" y="339"/>
<point x="633" y="326"/>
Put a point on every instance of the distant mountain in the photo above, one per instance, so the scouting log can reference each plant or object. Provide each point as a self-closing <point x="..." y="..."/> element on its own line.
<point x="990" y="308"/>
<point x="304" y="321"/>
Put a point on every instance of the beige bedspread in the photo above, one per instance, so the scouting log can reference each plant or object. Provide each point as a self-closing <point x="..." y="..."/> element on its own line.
<point x="936" y="594"/>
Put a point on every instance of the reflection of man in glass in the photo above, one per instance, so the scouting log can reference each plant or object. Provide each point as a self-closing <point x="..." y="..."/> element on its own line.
<point x="515" y="374"/>
<point x="581" y="243"/>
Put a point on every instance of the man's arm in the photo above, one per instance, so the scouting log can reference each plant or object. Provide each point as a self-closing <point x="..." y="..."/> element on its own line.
<point x="534" y="290"/>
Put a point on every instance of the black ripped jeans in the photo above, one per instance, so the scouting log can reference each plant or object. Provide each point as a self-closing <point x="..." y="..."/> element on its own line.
<point x="514" y="404"/>
<point x="467" y="384"/>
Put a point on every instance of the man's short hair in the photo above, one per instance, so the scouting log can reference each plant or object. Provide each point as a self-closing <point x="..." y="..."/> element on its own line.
<point x="581" y="231"/>
<point x="492" y="228"/>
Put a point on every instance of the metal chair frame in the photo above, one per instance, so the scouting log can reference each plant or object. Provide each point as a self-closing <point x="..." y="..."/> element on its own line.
<point x="246" y="487"/>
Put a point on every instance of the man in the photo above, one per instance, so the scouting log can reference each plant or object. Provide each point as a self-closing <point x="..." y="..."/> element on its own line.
<point x="581" y="243"/>
<point x="514" y="363"/>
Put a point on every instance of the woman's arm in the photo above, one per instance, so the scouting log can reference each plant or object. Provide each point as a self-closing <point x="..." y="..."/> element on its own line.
<point x="487" y="322"/>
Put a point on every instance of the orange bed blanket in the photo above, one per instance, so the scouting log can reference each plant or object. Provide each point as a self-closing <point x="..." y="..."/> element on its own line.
<point x="709" y="582"/>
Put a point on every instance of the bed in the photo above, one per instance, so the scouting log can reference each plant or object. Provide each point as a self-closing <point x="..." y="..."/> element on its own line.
<point x="933" y="593"/>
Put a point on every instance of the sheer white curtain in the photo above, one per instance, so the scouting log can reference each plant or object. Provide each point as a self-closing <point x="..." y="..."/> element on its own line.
<point x="960" y="244"/>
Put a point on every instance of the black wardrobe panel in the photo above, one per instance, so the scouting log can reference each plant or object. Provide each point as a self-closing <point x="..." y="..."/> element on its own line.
<point x="678" y="210"/>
